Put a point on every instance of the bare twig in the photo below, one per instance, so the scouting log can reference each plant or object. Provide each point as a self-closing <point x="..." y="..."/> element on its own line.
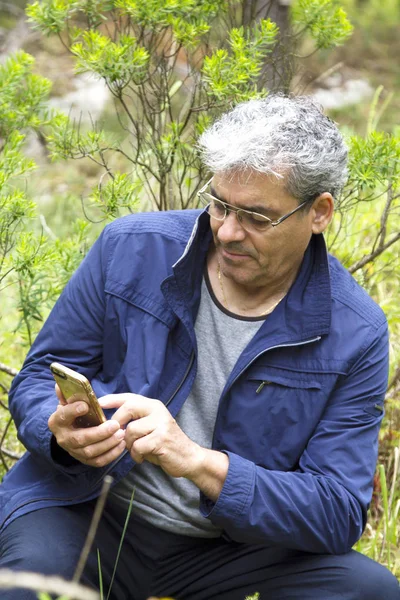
<point x="385" y="216"/>
<point x="10" y="454"/>
<point x="53" y="585"/>
<point x="5" y="390"/>
<point x="323" y="76"/>
<point x="93" y="527"/>
<point x="370" y="257"/>
<point x="395" y="379"/>
<point x="9" y="370"/>
<point x="46" y="228"/>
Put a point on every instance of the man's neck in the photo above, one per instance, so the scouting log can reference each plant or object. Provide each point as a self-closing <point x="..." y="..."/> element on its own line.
<point x="255" y="299"/>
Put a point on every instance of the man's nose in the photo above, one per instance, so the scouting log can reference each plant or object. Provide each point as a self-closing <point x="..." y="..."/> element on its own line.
<point x="230" y="229"/>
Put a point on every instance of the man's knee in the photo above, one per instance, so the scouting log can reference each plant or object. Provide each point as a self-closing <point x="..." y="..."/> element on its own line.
<point x="35" y="543"/>
<point x="371" y="580"/>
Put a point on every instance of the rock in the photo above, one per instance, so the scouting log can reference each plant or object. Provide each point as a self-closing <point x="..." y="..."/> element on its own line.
<point x="86" y="102"/>
<point x="339" y="92"/>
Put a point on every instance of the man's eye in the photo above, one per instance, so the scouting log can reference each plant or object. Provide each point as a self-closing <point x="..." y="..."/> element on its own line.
<point x="256" y="218"/>
<point x="217" y="206"/>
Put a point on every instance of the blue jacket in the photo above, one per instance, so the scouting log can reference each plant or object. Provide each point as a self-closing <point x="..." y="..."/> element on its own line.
<point x="299" y="415"/>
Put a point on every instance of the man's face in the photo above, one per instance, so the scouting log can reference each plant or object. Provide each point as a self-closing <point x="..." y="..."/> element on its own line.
<point x="254" y="259"/>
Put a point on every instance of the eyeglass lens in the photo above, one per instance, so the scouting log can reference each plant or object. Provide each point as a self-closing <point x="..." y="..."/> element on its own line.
<point x="249" y="220"/>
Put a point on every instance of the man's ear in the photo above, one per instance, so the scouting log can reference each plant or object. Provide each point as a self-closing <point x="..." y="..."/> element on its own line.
<point x="322" y="212"/>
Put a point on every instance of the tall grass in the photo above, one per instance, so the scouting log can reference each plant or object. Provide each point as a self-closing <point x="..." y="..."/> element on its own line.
<point x="381" y="539"/>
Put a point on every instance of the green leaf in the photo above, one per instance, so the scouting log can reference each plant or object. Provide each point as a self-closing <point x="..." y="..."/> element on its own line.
<point x="325" y="21"/>
<point x="116" y="62"/>
<point x="232" y="75"/>
<point x="119" y="192"/>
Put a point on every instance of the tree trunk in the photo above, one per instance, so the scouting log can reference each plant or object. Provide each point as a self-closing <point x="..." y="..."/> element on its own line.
<point x="278" y="71"/>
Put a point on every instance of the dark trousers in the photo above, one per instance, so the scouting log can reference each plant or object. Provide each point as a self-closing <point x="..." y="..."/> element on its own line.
<point x="154" y="562"/>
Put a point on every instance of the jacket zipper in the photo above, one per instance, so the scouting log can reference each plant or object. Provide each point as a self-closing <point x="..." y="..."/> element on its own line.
<point x="182" y="381"/>
<point x="316" y="339"/>
<point x="112" y="464"/>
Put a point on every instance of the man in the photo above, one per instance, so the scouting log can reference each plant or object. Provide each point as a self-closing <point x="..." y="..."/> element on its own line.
<point x="243" y="372"/>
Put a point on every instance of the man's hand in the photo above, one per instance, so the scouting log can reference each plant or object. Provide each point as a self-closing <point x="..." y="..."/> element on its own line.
<point x="152" y="434"/>
<point x="94" y="446"/>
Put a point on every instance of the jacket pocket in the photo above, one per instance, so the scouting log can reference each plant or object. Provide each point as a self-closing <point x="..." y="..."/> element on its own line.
<point x="273" y="413"/>
<point x="374" y="406"/>
<point x="266" y="376"/>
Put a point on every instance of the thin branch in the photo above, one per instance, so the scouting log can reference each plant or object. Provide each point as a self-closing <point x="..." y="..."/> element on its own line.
<point x="86" y="214"/>
<point x="98" y="511"/>
<point x="3" y="437"/>
<point x="46" y="228"/>
<point x="325" y="74"/>
<point x="385" y="216"/>
<point x="129" y="158"/>
<point x="370" y="257"/>
<point x="5" y="390"/>
<point x="67" y="48"/>
<point x="150" y="188"/>
<point x="9" y="370"/>
<point x="395" y="379"/>
<point x="10" y="454"/>
<point x="53" y="585"/>
<point x="2" y="277"/>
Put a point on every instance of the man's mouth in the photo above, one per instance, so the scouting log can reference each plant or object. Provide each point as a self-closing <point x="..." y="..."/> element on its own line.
<point x="232" y="254"/>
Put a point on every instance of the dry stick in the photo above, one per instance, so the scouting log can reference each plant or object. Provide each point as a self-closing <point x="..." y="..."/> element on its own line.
<point x="98" y="511"/>
<point x="370" y="257"/>
<point x="5" y="391"/>
<point x="380" y="238"/>
<point x="53" y="585"/>
<point x="4" y="388"/>
<point x="395" y="379"/>
<point x="3" y="437"/>
<point x="8" y="370"/>
<point x="395" y="472"/>
<point x="385" y="216"/>
<point x="10" y="454"/>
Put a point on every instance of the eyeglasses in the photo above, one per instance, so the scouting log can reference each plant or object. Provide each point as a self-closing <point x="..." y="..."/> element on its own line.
<point x="249" y="220"/>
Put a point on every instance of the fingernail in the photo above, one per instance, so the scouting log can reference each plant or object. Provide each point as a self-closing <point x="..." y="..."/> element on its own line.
<point x="80" y="408"/>
<point x="120" y="434"/>
<point x="113" y="426"/>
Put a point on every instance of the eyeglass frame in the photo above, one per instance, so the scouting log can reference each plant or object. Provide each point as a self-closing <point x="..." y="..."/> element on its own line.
<point x="235" y="209"/>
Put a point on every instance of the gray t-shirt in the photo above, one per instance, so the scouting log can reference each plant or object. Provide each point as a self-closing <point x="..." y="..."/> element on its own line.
<point x="172" y="503"/>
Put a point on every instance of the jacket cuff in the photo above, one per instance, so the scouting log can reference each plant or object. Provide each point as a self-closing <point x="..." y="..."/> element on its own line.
<point x="235" y="495"/>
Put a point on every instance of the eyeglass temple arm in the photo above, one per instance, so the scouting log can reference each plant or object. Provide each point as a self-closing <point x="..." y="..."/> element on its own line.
<point x="279" y="221"/>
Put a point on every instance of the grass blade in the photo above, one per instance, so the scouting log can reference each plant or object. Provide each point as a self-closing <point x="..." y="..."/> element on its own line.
<point x="120" y="543"/>
<point x="100" y="575"/>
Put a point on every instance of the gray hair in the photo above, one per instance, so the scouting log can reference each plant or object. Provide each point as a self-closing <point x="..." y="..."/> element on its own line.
<point x="284" y="136"/>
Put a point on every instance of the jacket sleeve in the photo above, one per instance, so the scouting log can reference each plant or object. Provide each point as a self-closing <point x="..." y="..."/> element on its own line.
<point x="72" y="335"/>
<point x="321" y="507"/>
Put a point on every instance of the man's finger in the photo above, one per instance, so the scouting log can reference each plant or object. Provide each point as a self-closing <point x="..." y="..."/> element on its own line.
<point x="88" y="436"/>
<point x="136" y="407"/>
<point x="147" y="445"/>
<point x="59" y="395"/>
<point x="103" y="446"/>
<point x="65" y="415"/>
<point x="113" y="400"/>
<point x="139" y="428"/>
<point x="103" y="459"/>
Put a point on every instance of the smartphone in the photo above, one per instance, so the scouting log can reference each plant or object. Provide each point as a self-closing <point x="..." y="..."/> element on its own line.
<point x="74" y="387"/>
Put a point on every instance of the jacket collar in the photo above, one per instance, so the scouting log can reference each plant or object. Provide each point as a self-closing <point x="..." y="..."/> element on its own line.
<point x="306" y="310"/>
